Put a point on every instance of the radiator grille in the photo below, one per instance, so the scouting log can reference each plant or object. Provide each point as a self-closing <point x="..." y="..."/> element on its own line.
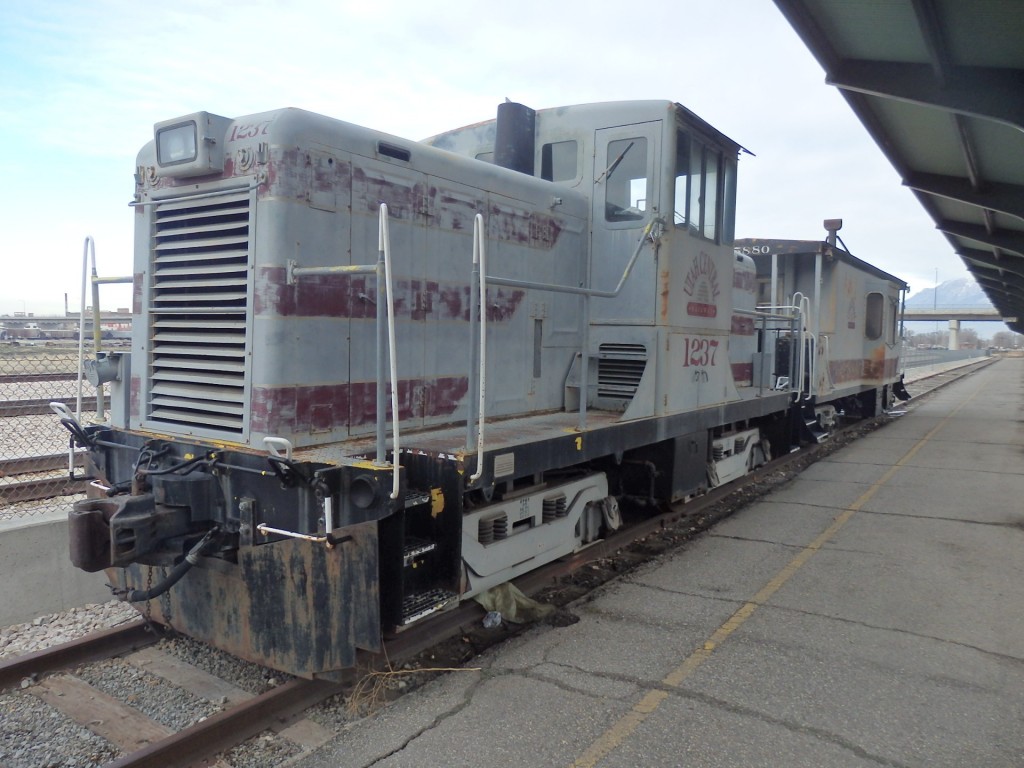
<point x="197" y="313"/>
<point x="619" y="370"/>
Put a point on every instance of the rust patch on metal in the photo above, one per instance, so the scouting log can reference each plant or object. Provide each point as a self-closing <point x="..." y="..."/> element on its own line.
<point x="418" y="398"/>
<point x="509" y="224"/>
<point x="455" y="210"/>
<point x="843" y="371"/>
<point x="314" y="296"/>
<point x="664" y="289"/>
<point x="137" y="279"/>
<point x="743" y="373"/>
<point x="293" y="409"/>
<point x="544" y="230"/>
<point x="502" y="304"/>
<point x="370" y="188"/>
<point x="742" y="326"/>
<point x="292" y="605"/>
<point x="348" y="296"/>
<point x="135" y="396"/>
<point x="744" y="280"/>
<point x="300" y="174"/>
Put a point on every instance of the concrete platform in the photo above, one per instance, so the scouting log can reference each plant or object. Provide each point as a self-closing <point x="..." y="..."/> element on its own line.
<point x="869" y="613"/>
<point x="36" y="575"/>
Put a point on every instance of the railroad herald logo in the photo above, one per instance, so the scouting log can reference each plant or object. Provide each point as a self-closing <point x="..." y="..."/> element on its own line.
<point x="701" y="284"/>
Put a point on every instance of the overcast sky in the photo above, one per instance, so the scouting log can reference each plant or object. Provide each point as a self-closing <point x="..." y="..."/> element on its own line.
<point x="81" y="85"/>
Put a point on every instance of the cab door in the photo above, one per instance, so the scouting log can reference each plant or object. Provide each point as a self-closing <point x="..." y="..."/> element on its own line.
<point x="627" y="164"/>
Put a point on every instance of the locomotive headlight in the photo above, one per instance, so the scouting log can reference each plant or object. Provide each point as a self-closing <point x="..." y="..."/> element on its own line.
<point x="192" y="145"/>
<point x="176" y="144"/>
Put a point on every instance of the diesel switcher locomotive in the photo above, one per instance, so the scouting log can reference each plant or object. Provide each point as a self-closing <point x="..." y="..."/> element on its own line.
<point x="370" y="377"/>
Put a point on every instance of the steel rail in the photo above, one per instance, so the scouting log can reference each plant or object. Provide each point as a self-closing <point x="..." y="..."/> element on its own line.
<point x="40" y="407"/>
<point x="30" y="464"/>
<point x="231" y="727"/>
<point x="32" y="378"/>
<point x="38" y="488"/>
<point x="35" y="490"/>
<point x="104" y="644"/>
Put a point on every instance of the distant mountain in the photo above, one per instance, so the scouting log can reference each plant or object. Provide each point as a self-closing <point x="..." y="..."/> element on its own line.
<point x="962" y="292"/>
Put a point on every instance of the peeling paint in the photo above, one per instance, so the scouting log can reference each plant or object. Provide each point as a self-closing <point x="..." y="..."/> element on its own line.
<point x="297" y="409"/>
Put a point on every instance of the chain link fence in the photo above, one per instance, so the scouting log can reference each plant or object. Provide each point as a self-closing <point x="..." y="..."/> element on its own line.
<point x="34" y="446"/>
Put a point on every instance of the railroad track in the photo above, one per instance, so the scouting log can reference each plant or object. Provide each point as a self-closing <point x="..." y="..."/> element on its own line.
<point x="35" y="478"/>
<point x="57" y="677"/>
<point x="41" y="406"/>
<point x="34" y="378"/>
<point x="281" y="708"/>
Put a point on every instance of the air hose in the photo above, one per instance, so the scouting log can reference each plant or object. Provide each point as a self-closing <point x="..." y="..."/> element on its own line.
<point x="172" y="578"/>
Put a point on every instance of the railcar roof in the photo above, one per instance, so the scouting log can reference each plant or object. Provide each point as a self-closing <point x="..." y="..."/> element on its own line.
<point x="807" y="249"/>
<point x="603" y="115"/>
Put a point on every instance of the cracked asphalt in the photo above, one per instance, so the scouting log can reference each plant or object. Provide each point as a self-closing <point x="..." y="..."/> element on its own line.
<point x="868" y="613"/>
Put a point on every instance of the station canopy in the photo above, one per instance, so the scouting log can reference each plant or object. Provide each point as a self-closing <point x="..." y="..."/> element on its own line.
<point x="939" y="85"/>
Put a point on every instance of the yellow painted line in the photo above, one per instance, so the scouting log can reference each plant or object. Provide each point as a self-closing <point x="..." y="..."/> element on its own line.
<point x="628" y="723"/>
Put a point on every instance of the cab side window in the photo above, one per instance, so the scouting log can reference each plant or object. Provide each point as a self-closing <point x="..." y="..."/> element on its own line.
<point x="705" y="189"/>
<point x="873" y="316"/>
<point x="558" y="161"/>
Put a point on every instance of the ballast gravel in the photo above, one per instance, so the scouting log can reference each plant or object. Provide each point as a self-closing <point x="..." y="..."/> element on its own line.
<point x="153" y="696"/>
<point x="56" y="628"/>
<point x="242" y="674"/>
<point x="32" y="734"/>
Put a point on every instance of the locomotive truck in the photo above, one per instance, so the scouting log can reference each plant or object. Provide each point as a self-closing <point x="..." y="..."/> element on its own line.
<point x="371" y="377"/>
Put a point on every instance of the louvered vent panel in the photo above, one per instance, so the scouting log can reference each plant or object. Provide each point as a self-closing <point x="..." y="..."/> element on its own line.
<point x="619" y="370"/>
<point x="198" y="297"/>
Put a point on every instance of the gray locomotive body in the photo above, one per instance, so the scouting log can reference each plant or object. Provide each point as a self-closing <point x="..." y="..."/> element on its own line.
<point x="371" y="377"/>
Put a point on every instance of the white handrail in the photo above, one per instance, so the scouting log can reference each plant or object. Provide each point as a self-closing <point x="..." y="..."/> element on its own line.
<point x="88" y="247"/>
<point x="480" y="258"/>
<point x="803" y="303"/>
<point x="384" y="243"/>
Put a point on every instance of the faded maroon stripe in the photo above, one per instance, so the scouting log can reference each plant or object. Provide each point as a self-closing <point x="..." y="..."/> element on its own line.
<point x="354" y="296"/>
<point x="315" y="296"/>
<point x="742" y="373"/>
<point x="324" y="408"/>
<point x="742" y="326"/>
<point x="299" y="409"/>
<point x="744" y="280"/>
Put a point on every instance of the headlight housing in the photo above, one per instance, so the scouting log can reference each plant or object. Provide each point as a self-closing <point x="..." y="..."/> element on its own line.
<point x="192" y="145"/>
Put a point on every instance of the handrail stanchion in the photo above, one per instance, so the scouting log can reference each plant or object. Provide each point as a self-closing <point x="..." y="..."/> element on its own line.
<point x="89" y="255"/>
<point x="480" y="260"/>
<point x="382" y="270"/>
<point x="382" y="413"/>
<point x="87" y="247"/>
<point x="474" y="341"/>
<point x="385" y="246"/>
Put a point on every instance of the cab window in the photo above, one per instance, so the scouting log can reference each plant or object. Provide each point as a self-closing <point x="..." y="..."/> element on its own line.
<point x="705" y="190"/>
<point x="625" y="180"/>
<point x="873" y="316"/>
<point x="558" y="161"/>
